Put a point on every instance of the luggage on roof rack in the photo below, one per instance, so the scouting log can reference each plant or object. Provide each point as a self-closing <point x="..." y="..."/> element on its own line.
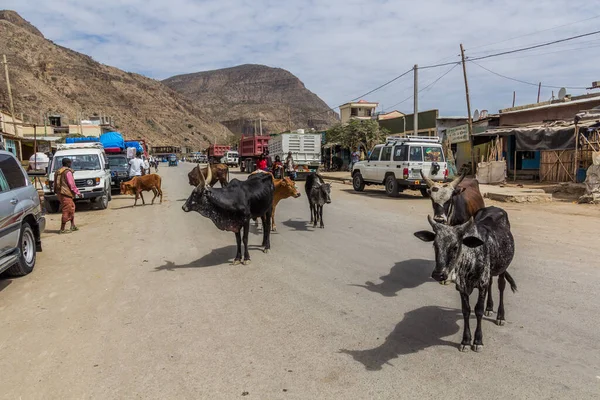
<point x="412" y="138"/>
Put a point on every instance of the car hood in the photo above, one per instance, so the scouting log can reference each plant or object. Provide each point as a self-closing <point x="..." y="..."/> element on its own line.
<point x="88" y="174"/>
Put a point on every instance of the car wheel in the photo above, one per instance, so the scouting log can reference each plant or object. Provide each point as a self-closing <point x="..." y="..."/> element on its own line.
<point x="27" y="248"/>
<point x="109" y="192"/>
<point x="358" y="182"/>
<point x="424" y="193"/>
<point x="102" y="201"/>
<point x="391" y="186"/>
<point x="51" y="206"/>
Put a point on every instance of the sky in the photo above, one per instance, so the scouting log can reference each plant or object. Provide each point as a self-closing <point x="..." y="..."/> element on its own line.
<point x="341" y="49"/>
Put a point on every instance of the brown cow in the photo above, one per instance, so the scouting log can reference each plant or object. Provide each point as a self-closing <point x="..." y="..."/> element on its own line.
<point x="220" y="173"/>
<point x="140" y="184"/>
<point x="284" y="188"/>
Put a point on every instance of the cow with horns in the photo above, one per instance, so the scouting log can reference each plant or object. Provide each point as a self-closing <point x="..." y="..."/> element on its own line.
<point x="474" y="252"/>
<point x="231" y="208"/>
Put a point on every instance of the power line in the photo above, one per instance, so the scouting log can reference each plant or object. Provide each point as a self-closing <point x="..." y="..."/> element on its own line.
<point x="533" y="33"/>
<point x="524" y="82"/>
<point x="426" y="87"/>
<point x="383" y="85"/>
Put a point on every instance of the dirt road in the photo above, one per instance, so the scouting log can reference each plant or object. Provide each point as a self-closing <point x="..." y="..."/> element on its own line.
<point x="142" y="303"/>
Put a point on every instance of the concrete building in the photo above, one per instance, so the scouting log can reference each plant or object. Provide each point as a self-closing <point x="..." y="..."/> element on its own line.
<point x="402" y="124"/>
<point x="360" y="110"/>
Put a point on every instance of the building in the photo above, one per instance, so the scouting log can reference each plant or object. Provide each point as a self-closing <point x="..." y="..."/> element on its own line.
<point x="443" y="123"/>
<point x="360" y="110"/>
<point x="399" y="124"/>
<point x="11" y="133"/>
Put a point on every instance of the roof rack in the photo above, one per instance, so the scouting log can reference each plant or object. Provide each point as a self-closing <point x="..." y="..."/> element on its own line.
<point x="81" y="145"/>
<point x="412" y="138"/>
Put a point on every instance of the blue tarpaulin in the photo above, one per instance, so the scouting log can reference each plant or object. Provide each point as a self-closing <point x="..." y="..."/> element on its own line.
<point x="112" y="140"/>
<point x="137" y="145"/>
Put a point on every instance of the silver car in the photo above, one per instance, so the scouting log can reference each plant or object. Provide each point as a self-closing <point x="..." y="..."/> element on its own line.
<point x="21" y="218"/>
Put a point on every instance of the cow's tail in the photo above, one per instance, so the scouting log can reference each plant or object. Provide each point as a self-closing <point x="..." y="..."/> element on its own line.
<point x="511" y="281"/>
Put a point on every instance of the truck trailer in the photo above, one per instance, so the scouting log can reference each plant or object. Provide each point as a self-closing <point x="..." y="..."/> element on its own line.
<point x="251" y="147"/>
<point x="305" y="148"/>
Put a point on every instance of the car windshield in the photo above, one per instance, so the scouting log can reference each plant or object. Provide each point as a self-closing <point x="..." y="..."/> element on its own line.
<point x="117" y="162"/>
<point x="79" y="162"/>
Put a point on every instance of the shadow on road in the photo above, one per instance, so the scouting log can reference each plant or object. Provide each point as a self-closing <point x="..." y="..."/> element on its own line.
<point x="296" y="225"/>
<point x="406" y="274"/>
<point x="4" y="283"/>
<point x="421" y="328"/>
<point x="381" y="194"/>
<point x="215" y="257"/>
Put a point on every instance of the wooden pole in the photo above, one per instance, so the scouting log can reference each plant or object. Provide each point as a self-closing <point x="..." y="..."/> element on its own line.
<point x="515" y="165"/>
<point x="35" y="147"/>
<point x="10" y="98"/>
<point x="539" y="91"/>
<point x="416" y="101"/>
<point x="514" y="98"/>
<point x="576" y="152"/>
<point x="470" y="119"/>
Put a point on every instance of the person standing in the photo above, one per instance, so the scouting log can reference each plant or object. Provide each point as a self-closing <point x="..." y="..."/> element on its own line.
<point x="289" y="166"/>
<point x="261" y="164"/>
<point x="136" y="165"/>
<point x="65" y="188"/>
<point x="354" y="158"/>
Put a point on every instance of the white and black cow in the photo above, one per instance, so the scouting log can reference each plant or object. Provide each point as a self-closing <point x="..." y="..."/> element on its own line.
<point x="230" y="208"/>
<point x="474" y="251"/>
<point x="319" y="194"/>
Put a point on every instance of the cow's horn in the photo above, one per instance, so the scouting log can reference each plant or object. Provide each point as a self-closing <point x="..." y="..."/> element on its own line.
<point x="209" y="175"/>
<point x="431" y="221"/>
<point x="457" y="181"/>
<point x="428" y="181"/>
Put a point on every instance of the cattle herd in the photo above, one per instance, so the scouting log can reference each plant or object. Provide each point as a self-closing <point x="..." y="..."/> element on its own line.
<point x="472" y="243"/>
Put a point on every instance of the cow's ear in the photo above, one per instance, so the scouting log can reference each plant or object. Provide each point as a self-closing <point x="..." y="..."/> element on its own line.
<point x="425" y="236"/>
<point x="472" y="241"/>
<point x="458" y="191"/>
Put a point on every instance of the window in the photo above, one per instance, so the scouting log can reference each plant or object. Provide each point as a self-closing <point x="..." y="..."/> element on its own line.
<point x="369" y="112"/>
<point x="353" y="112"/>
<point x="116" y="162"/>
<point x="386" y="154"/>
<point x="3" y="183"/>
<point x="375" y="154"/>
<point x="80" y="162"/>
<point x="12" y="171"/>
<point x="433" y="154"/>
<point x="528" y="155"/>
<point x="416" y="153"/>
<point x="401" y="153"/>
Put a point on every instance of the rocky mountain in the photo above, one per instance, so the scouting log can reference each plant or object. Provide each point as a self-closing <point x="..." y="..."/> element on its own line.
<point x="239" y="96"/>
<point x="46" y="77"/>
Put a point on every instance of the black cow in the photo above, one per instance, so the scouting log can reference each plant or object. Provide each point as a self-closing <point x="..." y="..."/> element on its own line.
<point x="230" y="208"/>
<point x="318" y="193"/>
<point x="474" y="251"/>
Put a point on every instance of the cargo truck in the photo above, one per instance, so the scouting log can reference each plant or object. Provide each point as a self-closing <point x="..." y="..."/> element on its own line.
<point x="305" y="148"/>
<point x="216" y="152"/>
<point x="251" y="147"/>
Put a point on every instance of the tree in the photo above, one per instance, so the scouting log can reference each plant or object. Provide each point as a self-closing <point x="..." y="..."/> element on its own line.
<point x="366" y="133"/>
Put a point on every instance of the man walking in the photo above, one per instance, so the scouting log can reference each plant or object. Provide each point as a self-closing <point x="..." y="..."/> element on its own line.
<point x="354" y="158"/>
<point x="136" y="165"/>
<point x="64" y="187"/>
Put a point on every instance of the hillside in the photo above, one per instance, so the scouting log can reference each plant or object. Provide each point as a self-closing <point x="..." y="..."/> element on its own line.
<point x="46" y="77"/>
<point x="240" y="95"/>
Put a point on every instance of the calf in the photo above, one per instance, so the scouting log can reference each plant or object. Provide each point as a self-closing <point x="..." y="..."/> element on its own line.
<point x="219" y="173"/>
<point x="474" y="251"/>
<point x="144" y="183"/>
<point x="230" y="208"/>
<point x="318" y="193"/>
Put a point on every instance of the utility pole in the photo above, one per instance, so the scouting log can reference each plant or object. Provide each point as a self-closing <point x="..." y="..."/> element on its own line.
<point x="416" y="100"/>
<point x="470" y="119"/>
<point x="514" y="97"/>
<point x="260" y="125"/>
<point x="539" y="90"/>
<point x="289" y="119"/>
<point x="10" y="98"/>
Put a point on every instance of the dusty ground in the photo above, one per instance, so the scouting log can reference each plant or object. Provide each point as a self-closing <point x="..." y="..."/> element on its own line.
<point x="142" y="303"/>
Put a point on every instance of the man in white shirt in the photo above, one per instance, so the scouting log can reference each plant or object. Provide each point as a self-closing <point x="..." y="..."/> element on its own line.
<point x="136" y="165"/>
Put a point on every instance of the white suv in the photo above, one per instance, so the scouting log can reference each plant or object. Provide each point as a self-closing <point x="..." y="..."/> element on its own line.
<point x="92" y="174"/>
<point x="231" y="159"/>
<point x="398" y="163"/>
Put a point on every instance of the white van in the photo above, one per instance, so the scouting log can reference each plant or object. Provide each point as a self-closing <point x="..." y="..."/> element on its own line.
<point x="398" y="163"/>
<point x="92" y="174"/>
<point x="231" y="159"/>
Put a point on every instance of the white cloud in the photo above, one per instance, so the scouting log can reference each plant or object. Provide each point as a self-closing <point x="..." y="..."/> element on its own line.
<point x="338" y="48"/>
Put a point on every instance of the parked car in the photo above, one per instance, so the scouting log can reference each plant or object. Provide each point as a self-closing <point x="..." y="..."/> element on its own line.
<point x="119" y="170"/>
<point x="92" y="174"/>
<point x="398" y="163"/>
<point x="231" y="158"/>
<point x="173" y="161"/>
<point x="21" y="218"/>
